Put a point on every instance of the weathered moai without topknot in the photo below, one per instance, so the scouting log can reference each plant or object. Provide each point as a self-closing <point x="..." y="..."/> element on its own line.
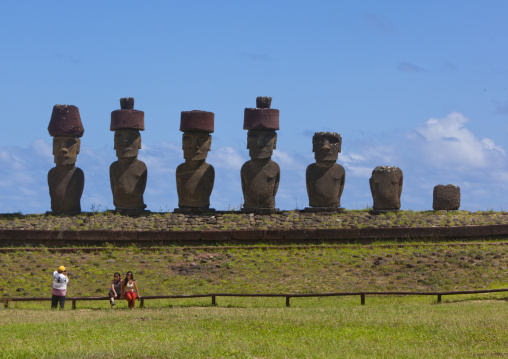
<point x="325" y="179"/>
<point x="386" y="188"/>
<point x="446" y="198"/>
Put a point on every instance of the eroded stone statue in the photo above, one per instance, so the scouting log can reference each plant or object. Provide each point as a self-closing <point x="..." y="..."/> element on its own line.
<point x="325" y="178"/>
<point x="66" y="181"/>
<point x="260" y="176"/>
<point x="195" y="177"/>
<point x="128" y="175"/>
<point x="446" y="198"/>
<point x="386" y="188"/>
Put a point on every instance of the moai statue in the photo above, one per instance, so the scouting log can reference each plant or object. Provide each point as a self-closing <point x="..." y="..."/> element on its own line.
<point x="128" y="174"/>
<point x="195" y="177"/>
<point x="386" y="188"/>
<point x="325" y="178"/>
<point x="446" y="198"/>
<point x="66" y="181"/>
<point x="260" y="176"/>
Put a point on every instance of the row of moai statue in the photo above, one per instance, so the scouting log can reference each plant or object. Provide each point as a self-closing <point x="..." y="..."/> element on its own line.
<point x="195" y="177"/>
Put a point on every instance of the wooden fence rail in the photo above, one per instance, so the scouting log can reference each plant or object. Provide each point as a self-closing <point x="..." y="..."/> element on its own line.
<point x="214" y="296"/>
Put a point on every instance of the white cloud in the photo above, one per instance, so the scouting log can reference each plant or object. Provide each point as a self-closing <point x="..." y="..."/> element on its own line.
<point x="42" y="148"/>
<point x="226" y="157"/>
<point x="287" y="161"/>
<point x="355" y="165"/>
<point x="447" y="143"/>
<point x="11" y="158"/>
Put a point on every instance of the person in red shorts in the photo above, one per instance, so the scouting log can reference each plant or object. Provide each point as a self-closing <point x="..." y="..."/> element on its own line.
<point x="130" y="289"/>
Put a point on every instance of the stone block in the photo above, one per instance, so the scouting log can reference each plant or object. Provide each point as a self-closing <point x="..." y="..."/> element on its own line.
<point x="446" y="198"/>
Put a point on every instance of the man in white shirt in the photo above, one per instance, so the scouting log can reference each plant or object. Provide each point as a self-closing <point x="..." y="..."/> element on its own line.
<point x="59" y="291"/>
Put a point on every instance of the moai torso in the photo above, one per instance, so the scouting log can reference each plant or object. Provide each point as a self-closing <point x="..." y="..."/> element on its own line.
<point x="386" y="187"/>
<point x="260" y="182"/>
<point x="66" y="181"/>
<point x="195" y="178"/>
<point x="325" y="178"/>
<point x="325" y="185"/>
<point x="194" y="185"/>
<point x="128" y="183"/>
<point x="65" y="188"/>
<point x="128" y="175"/>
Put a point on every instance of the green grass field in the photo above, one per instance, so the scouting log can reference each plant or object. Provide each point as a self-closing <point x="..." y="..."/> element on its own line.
<point x="465" y="326"/>
<point x="392" y="327"/>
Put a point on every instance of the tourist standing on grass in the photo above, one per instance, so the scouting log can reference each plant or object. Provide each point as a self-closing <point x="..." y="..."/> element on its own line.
<point x="116" y="289"/>
<point x="130" y="289"/>
<point x="59" y="291"/>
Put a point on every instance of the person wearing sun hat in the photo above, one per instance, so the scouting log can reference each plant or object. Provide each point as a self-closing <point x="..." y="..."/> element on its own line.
<point x="59" y="291"/>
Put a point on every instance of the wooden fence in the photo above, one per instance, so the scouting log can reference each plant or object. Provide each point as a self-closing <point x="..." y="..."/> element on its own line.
<point x="214" y="296"/>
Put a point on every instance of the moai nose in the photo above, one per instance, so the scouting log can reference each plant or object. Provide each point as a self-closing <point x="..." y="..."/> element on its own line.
<point x="326" y="145"/>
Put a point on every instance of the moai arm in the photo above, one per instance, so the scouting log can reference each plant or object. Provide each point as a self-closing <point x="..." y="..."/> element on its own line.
<point x="50" y="184"/>
<point x="142" y="180"/>
<point x="276" y="184"/>
<point x="400" y="184"/>
<point x="243" y="181"/>
<point x="80" y="176"/>
<point x="307" y="181"/>
<point x="212" y="180"/>
<point x="111" y="181"/>
<point x="341" y="185"/>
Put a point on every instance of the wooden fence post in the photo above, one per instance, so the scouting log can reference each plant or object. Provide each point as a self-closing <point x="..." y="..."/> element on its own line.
<point x="439" y="298"/>
<point x="74" y="304"/>
<point x="214" y="303"/>
<point x="6" y="304"/>
<point x="142" y="303"/>
<point x="362" y="298"/>
<point x="287" y="300"/>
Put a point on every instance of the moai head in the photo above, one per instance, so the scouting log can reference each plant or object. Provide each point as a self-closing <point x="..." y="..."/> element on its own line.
<point x="326" y="147"/>
<point x="65" y="150"/>
<point x="261" y="143"/>
<point x="196" y="139"/>
<point x="386" y="187"/>
<point x="262" y="122"/>
<point x="66" y="128"/>
<point x="127" y="123"/>
<point x="446" y="198"/>
<point x="127" y="142"/>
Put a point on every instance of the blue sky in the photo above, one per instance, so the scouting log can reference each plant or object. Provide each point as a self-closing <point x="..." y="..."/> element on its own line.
<point x="421" y="86"/>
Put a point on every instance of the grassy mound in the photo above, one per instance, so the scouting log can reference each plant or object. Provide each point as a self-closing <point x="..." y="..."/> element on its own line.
<point x="258" y="269"/>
